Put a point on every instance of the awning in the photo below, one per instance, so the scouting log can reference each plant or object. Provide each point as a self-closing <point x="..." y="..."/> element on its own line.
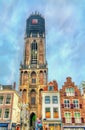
<point x="74" y="126"/>
<point x="3" y="124"/>
<point x="13" y="124"/>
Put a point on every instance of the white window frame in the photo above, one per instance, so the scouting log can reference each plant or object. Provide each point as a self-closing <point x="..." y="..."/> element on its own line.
<point x="57" y="110"/>
<point x="4" y="113"/>
<point x="46" y="100"/>
<point x="69" y="91"/>
<point x="2" y="100"/>
<point x="53" y="101"/>
<point x="50" y="112"/>
<point x="77" y="119"/>
<point x="10" y="99"/>
<point x="74" y="104"/>
<point x="68" y="120"/>
<point x="68" y="104"/>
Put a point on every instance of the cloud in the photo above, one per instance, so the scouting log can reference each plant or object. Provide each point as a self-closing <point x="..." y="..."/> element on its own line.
<point x="65" y="37"/>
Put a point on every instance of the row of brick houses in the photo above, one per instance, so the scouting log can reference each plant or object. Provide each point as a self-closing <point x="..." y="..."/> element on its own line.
<point x="61" y="108"/>
<point x="64" y="108"/>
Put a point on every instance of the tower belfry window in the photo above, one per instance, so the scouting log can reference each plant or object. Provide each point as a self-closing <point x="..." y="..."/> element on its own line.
<point x="34" y="52"/>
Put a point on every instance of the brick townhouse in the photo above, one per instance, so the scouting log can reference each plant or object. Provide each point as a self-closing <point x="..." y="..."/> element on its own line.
<point x="71" y="106"/>
<point x="51" y="113"/>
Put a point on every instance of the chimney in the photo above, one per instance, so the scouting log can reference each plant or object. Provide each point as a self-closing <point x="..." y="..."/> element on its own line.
<point x="14" y="86"/>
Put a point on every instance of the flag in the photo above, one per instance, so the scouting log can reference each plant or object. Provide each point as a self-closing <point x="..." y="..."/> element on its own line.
<point x="34" y="21"/>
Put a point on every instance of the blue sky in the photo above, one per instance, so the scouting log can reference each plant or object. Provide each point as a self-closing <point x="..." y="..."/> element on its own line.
<point x="65" y="38"/>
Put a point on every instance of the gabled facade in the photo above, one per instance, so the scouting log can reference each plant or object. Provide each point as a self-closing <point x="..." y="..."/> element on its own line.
<point x="71" y="106"/>
<point x="51" y="115"/>
<point x="9" y="108"/>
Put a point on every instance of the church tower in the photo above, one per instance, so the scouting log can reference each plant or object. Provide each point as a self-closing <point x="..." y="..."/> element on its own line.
<point x="33" y="70"/>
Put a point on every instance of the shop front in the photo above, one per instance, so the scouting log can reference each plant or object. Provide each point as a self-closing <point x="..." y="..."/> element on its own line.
<point x="54" y="127"/>
<point x="51" y="125"/>
<point x="3" y="126"/>
<point x="73" y="127"/>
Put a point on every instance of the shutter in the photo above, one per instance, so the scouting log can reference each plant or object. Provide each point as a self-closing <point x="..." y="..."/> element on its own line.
<point x="82" y="120"/>
<point x="76" y="94"/>
<point x="73" y="120"/>
<point x="63" y="119"/>
<point x="62" y="105"/>
<point x="64" y="93"/>
<point x="80" y="105"/>
<point x="72" y="106"/>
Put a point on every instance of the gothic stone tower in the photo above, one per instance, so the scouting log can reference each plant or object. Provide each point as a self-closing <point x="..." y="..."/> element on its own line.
<point x="33" y="70"/>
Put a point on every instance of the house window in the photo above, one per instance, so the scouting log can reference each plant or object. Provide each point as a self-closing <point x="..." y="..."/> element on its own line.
<point x="68" y="117"/>
<point x="34" y="53"/>
<point x="54" y="99"/>
<point x="77" y="117"/>
<point x="76" y="103"/>
<point x="34" y="80"/>
<point x="55" y="112"/>
<point x="1" y="99"/>
<point x="66" y="103"/>
<point x="33" y="77"/>
<point x="8" y="99"/>
<point x="47" y="112"/>
<point x="6" y="114"/>
<point x="0" y="113"/>
<point x="33" y="100"/>
<point x="70" y="91"/>
<point x="47" y="99"/>
<point x="50" y="88"/>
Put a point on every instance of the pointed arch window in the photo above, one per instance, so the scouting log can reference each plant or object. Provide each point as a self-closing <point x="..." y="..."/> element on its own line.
<point x="33" y="77"/>
<point x="34" y="53"/>
<point x="33" y="97"/>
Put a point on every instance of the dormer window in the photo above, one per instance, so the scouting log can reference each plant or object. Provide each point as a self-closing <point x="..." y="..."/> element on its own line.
<point x="50" y="88"/>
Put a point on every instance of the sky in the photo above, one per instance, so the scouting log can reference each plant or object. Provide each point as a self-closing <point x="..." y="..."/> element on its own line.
<point x="65" y="38"/>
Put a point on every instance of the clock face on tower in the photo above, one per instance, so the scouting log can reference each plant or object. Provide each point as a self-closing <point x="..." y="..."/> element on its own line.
<point x="34" y="21"/>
